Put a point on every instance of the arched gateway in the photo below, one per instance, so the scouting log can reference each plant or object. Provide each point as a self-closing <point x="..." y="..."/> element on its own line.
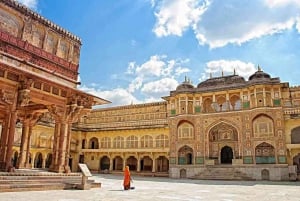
<point x="223" y="140"/>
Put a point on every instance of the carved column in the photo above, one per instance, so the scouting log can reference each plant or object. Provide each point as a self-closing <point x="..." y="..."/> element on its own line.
<point x="62" y="134"/>
<point x="28" y="120"/>
<point x="9" y="99"/>
<point x="23" y="146"/>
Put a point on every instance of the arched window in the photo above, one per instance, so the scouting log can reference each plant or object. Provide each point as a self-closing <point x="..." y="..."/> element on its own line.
<point x="132" y="142"/>
<point x="106" y="143"/>
<point x="118" y="142"/>
<point x="94" y="144"/>
<point x="235" y="102"/>
<point x="263" y="126"/>
<point x="147" y="141"/>
<point x="185" y="131"/>
<point x="264" y="153"/>
<point x="295" y="135"/>
<point x="207" y="105"/>
<point x="162" y="141"/>
<point x="185" y="155"/>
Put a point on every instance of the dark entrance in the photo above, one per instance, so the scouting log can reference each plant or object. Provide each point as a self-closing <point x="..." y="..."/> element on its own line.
<point x="226" y="155"/>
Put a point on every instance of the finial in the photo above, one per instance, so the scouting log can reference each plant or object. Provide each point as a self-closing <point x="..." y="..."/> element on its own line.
<point x="258" y="68"/>
<point x="234" y="73"/>
<point x="222" y="73"/>
<point x="210" y="75"/>
<point x="185" y="79"/>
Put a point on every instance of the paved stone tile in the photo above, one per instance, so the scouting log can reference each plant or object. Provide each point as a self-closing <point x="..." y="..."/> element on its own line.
<point x="156" y="189"/>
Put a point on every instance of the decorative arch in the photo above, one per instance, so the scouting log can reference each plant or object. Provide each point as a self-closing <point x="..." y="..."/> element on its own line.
<point x="221" y="104"/>
<point x="263" y="126"/>
<point x="207" y="103"/>
<point x="93" y="143"/>
<point x="185" y="130"/>
<point x="185" y="155"/>
<point x="235" y="102"/>
<point x="9" y="23"/>
<point x="223" y="132"/>
<point x="106" y="143"/>
<point x="162" y="141"/>
<point x="132" y="142"/>
<point x="295" y="135"/>
<point x="146" y="141"/>
<point x="118" y="142"/>
<point x="265" y="153"/>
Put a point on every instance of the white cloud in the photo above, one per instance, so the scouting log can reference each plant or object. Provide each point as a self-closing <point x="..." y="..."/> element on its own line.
<point x="218" y="23"/>
<point x="29" y="3"/>
<point x="117" y="96"/>
<point x="227" y="67"/>
<point x="175" y="16"/>
<point x="274" y="3"/>
<point x="149" y="81"/>
<point x="160" y="87"/>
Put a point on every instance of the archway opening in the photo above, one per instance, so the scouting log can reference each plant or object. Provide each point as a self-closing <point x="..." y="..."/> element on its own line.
<point x="118" y="163"/>
<point x="132" y="163"/>
<point x="104" y="163"/>
<point x="38" y="161"/>
<point x="226" y="155"/>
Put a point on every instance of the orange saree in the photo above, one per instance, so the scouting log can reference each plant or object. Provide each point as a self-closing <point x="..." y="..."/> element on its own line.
<point x="126" y="182"/>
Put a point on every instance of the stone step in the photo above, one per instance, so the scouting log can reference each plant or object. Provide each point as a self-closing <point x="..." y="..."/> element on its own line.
<point x="222" y="173"/>
<point x="41" y="183"/>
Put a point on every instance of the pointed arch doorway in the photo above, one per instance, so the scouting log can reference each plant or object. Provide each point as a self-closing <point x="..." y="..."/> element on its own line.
<point x="226" y="155"/>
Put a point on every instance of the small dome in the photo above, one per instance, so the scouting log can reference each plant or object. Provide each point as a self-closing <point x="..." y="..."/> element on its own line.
<point x="185" y="85"/>
<point x="221" y="82"/>
<point x="259" y="75"/>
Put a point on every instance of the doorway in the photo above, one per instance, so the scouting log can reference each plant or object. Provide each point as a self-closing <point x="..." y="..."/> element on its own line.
<point x="226" y="155"/>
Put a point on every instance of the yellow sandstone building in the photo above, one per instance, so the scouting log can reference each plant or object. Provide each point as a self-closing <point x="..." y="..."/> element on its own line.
<point x="224" y="128"/>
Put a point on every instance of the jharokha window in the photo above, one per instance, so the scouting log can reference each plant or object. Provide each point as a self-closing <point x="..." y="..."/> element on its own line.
<point x="263" y="127"/>
<point x="185" y="131"/>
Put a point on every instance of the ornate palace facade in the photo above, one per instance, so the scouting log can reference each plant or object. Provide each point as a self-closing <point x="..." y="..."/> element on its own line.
<point x="249" y="128"/>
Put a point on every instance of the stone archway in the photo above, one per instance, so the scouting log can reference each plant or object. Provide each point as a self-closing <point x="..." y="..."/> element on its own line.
<point x="118" y="163"/>
<point x="38" y="161"/>
<point x="223" y="143"/>
<point x="162" y="164"/>
<point x="104" y="163"/>
<point x="265" y="174"/>
<point x="49" y="160"/>
<point x="226" y="155"/>
<point x="132" y="163"/>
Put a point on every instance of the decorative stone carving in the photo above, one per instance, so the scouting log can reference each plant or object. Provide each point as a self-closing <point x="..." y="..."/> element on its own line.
<point x="9" y="23"/>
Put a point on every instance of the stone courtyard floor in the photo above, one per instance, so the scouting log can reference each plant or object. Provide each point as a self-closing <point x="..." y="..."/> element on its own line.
<point x="156" y="189"/>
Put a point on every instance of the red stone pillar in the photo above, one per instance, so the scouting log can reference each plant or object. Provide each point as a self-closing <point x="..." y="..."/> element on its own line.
<point x="3" y="143"/>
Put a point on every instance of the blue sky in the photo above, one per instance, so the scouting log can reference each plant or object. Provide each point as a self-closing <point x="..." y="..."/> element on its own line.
<point x="136" y="51"/>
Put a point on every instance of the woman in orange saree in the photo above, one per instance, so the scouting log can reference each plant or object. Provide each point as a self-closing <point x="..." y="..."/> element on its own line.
<point x="126" y="182"/>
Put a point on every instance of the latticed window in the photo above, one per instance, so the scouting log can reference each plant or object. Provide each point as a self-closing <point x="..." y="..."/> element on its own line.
<point x="162" y="141"/>
<point x="132" y="142"/>
<point x="185" y="131"/>
<point x="118" y="142"/>
<point x="93" y="144"/>
<point x="263" y="127"/>
<point x="147" y="141"/>
<point x="105" y="142"/>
